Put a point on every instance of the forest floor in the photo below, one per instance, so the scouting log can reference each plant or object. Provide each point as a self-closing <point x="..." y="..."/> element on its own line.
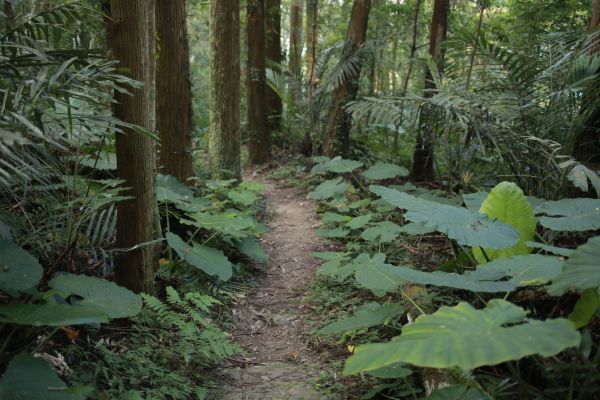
<point x="269" y="324"/>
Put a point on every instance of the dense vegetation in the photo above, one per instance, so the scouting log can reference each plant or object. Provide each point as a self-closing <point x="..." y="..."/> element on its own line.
<point x="452" y="147"/>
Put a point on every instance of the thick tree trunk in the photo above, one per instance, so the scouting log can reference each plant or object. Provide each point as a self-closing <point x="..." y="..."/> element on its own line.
<point x="422" y="168"/>
<point x="130" y="44"/>
<point x="337" y="133"/>
<point x="295" y="49"/>
<point x="312" y="7"/>
<point x="586" y="147"/>
<point x="173" y="90"/>
<point x="273" y="51"/>
<point x="260" y="144"/>
<point x="224" y="130"/>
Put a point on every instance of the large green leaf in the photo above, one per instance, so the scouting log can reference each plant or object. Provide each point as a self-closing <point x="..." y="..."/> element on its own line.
<point x="333" y="266"/>
<point x="332" y="233"/>
<point x="243" y="197"/>
<point x="51" y="314"/>
<point x="366" y="316"/>
<point x="30" y="378"/>
<point x="581" y="271"/>
<point x="334" y="217"/>
<point x="251" y="248"/>
<point x="507" y="203"/>
<point x="374" y="274"/>
<point x="585" y="308"/>
<point x="168" y="188"/>
<point x="19" y="270"/>
<point x="464" y="337"/>
<point x="226" y="223"/>
<point x="336" y="165"/>
<point x="382" y="170"/>
<point x="464" y="226"/>
<point x="570" y="214"/>
<point x="457" y="392"/>
<point x="329" y="189"/>
<point x="207" y="259"/>
<point x="359" y="222"/>
<point x="384" y="232"/>
<point x="115" y="301"/>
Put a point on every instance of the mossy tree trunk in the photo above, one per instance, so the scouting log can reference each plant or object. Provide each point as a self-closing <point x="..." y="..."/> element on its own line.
<point x="422" y="167"/>
<point x="259" y="148"/>
<point x="337" y="132"/>
<point x="312" y="7"/>
<point x="224" y="128"/>
<point x="273" y="54"/>
<point x="173" y="90"/>
<point x="130" y="43"/>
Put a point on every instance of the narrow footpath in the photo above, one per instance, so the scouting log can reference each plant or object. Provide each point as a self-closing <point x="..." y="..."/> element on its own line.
<point x="278" y="363"/>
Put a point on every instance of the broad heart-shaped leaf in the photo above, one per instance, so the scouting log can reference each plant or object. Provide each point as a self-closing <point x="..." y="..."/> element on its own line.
<point x="359" y="222"/>
<point x="368" y="315"/>
<point x="458" y="392"/>
<point x="374" y="274"/>
<point x="115" y="301"/>
<point x="575" y="215"/>
<point x="243" y="197"/>
<point x="168" y="188"/>
<point x="416" y="229"/>
<point x="581" y="271"/>
<point x="336" y="165"/>
<point x="464" y="226"/>
<point x="464" y="337"/>
<point x="333" y="265"/>
<point x="209" y="260"/>
<point x="329" y="189"/>
<point x="51" y="314"/>
<point x="30" y="378"/>
<point x="226" y="223"/>
<point x="333" y="217"/>
<point x="384" y="232"/>
<point x="382" y="170"/>
<point x="561" y="251"/>
<point x="251" y="247"/>
<point x="585" y="308"/>
<point x="332" y="233"/>
<point x="507" y="203"/>
<point x="19" y="270"/>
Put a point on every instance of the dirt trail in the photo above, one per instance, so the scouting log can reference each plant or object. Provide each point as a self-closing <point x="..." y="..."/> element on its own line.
<point x="269" y="325"/>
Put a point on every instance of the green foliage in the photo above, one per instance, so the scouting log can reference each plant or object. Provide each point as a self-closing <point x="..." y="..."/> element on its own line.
<point x="207" y="259"/>
<point x="507" y="203"/>
<point x="329" y="189"/>
<point x="581" y="270"/>
<point x="19" y="271"/>
<point x="464" y="337"/>
<point x="585" y="308"/>
<point x="366" y="316"/>
<point x="336" y="165"/>
<point x="381" y="171"/>
<point x="570" y="215"/>
<point x="384" y="232"/>
<point x="30" y="378"/>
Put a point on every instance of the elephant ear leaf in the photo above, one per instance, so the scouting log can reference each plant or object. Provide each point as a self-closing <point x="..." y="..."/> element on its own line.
<point x="507" y="203"/>
<point x="500" y="332"/>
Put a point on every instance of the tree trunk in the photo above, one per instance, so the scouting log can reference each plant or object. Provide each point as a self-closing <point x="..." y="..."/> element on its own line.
<point x="422" y="168"/>
<point x="295" y="50"/>
<point x="273" y="51"/>
<point x="311" y="58"/>
<point x="337" y="132"/>
<point x="258" y="130"/>
<point x="130" y="44"/>
<point x="224" y="130"/>
<point x="586" y="146"/>
<point x="173" y="90"/>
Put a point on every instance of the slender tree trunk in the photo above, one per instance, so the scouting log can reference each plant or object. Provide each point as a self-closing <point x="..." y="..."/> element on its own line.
<point x="586" y="146"/>
<point x="422" y="168"/>
<point x="295" y="49"/>
<point x="173" y="90"/>
<point x="311" y="58"/>
<point x="130" y="44"/>
<point x="273" y="51"/>
<point x="224" y="130"/>
<point x="258" y="130"/>
<point x="337" y="133"/>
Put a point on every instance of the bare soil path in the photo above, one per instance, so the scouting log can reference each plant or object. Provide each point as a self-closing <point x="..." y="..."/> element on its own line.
<point x="278" y="364"/>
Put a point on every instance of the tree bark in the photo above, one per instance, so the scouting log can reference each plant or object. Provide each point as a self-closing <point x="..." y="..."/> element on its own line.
<point x="586" y="146"/>
<point x="422" y="168"/>
<point x="130" y="44"/>
<point x="295" y="50"/>
<point x="173" y="90"/>
<point x="312" y="13"/>
<point x="224" y="130"/>
<point x="273" y="51"/>
<point x="260" y="144"/>
<point x="337" y="132"/>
